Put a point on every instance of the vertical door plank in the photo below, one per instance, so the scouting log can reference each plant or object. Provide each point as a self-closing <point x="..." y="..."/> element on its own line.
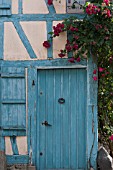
<point x="42" y="116"/>
<point x="31" y="133"/>
<point x="58" y="117"/>
<point x="66" y="120"/>
<point x="81" y="77"/>
<point x="73" y="114"/>
<point x="49" y="117"/>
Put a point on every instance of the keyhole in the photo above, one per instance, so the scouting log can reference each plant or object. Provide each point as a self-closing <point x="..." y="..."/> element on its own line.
<point x="33" y="83"/>
<point x="41" y="153"/>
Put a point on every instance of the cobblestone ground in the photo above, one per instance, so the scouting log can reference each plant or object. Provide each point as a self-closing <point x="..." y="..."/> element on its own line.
<point x="20" y="167"/>
<point x="17" y="167"/>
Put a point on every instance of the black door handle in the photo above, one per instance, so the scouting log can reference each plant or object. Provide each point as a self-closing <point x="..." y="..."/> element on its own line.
<point x="46" y="123"/>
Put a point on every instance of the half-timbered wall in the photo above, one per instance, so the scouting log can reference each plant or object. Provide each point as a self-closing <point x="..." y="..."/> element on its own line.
<point x="29" y="33"/>
<point x="24" y="26"/>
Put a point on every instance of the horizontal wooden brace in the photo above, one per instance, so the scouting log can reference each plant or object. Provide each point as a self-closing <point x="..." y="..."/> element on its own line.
<point x="40" y="17"/>
<point x="40" y="63"/>
<point x="12" y="128"/>
<point x="12" y="101"/>
<point x="17" y="159"/>
<point x="13" y="133"/>
<point x="18" y="75"/>
<point x="5" y="6"/>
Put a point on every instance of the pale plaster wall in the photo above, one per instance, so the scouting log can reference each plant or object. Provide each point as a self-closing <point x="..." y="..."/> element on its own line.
<point x="14" y="6"/>
<point x="60" y="6"/>
<point x="13" y="46"/>
<point x="21" y="144"/>
<point x="34" y="7"/>
<point x="8" y="147"/>
<point x="35" y="31"/>
<point x="58" y="42"/>
<point x="36" y="34"/>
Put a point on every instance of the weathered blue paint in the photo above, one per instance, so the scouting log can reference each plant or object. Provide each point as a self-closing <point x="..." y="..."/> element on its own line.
<point x="1" y="39"/>
<point x="20" y="8"/>
<point x="5" y="7"/>
<point x="14" y="145"/>
<point x="92" y="124"/>
<point x="43" y="63"/>
<point x="51" y="8"/>
<point x="91" y="143"/>
<point x="24" y="39"/>
<point x="39" y="17"/>
<point x="17" y="159"/>
<point x="61" y="143"/>
<point x="13" y="97"/>
<point x="32" y="93"/>
<point x="49" y="29"/>
<point x="13" y="108"/>
<point x="12" y="81"/>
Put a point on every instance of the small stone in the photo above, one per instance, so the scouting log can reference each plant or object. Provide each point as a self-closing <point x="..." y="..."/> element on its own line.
<point x="104" y="160"/>
<point x="91" y="169"/>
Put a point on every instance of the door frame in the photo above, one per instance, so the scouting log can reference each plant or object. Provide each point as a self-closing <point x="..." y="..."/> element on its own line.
<point x="91" y="112"/>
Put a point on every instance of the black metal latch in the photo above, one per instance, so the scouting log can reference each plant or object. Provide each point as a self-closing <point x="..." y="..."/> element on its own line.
<point x="46" y="123"/>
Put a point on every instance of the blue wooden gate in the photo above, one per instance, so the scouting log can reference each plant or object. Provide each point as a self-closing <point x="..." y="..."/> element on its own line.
<point x="61" y="119"/>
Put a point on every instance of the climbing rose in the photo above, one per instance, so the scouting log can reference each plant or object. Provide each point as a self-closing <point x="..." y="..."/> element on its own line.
<point x="78" y="59"/>
<point x="58" y="29"/>
<point x="72" y="60"/>
<point x="76" y="37"/>
<point x="108" y="13"/>
<point x="61" y="55"/>
<point x="73" y="29"/>
<point x="95" y="78"/>
<point x="92" y="9"/>
<point x="106" y="2"/>
<point x="111" y="137"/>
<point x="50" y="2"/>
<point x="94" y="71"/>
<point x="68" y="47"/>
<point x="75" y="46"/>
<point x="46" y="44"/>
<point x="101" y="69"/>
<point x="103" y="75"/>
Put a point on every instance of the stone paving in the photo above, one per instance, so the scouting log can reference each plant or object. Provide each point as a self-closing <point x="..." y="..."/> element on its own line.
<point x="20" y="167"/>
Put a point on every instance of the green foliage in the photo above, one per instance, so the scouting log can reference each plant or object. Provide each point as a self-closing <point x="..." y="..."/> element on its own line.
<point x="94" y="35"/>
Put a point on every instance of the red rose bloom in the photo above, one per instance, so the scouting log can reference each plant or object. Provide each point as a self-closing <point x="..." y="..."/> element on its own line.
<point x="78" y="59"/>
<point x="62" y="54"/>
<point x="68" y="47"/>
<point x="75" y="46"/>
<point x="101" y="69"/>
<point x="95" y="78"/>
<point x="94" y="71"/>
<point x="108" y="13"/>
<point x="72" y="60"/>
<point x="46" y="44"/>
<point x="58" y="29"/>
<point x="111" y="137"/>
<point x="50" y="2"/>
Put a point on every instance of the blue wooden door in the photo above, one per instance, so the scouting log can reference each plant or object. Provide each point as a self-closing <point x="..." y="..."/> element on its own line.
<point x="61" y="119"/>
